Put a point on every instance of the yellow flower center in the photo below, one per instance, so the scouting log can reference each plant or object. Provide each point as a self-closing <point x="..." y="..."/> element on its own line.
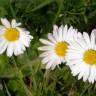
<point x="90" y="56"/>
<point x="61" y="48"/>
<point x="11" y="34"/>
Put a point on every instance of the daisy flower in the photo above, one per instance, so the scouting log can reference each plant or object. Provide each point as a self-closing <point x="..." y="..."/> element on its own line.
<point x="13" y="39"/>
<point x="81" y="57"/>
<point x="54" y="49"/>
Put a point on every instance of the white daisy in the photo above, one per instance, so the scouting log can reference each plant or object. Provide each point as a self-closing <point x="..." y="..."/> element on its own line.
<point x="55" y="48"/>
<point x="81" y="57"/>
<point x="13" y="39"/>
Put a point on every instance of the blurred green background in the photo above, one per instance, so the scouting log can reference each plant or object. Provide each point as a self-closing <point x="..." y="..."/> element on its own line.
<point x="25" y="75"/>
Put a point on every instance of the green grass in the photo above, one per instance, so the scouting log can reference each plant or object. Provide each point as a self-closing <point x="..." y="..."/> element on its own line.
<point x="25" y="75"/>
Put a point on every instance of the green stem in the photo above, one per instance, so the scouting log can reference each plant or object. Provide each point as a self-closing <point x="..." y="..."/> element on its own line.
<point x="72" y="13"/>
<point x="7" y="91"/>
<point x="20" y="75"/>
<point x="40" y="6"/>
<point x="60" y="4"/>
<point x="86" y="88"/>
<point x="12" y="10"/>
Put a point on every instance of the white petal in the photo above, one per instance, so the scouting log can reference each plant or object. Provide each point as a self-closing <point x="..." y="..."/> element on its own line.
<point x="65" y="32"/>
<point x="55" y="28"/>
<point x="74" y="55"/>
<point x="70" y="33"/>
<point x="80" y="35"/>
<point x="3" y="46"/>
<point x="56" y="63"/>
<point x="93" y="37"/>
<point x="86" y="72"/>
<point x="44" y="48"/>
<point x="25" y="41"/>
<point x="74" y="62"/>
<point x="92" y="74"/>
<point x="69" y="57"/>
<point x="87" y="39"/>
<point x="72" y="51"/>
<point x="45" y="60"/>
<point x="74" y="35"/>
<point x="55" y="32"/>
<point x="82" y="44"/>
<point x="14" y="23"/>
<point x="5" y="22"/>
<point x="17" y="48"/>
<point x="45" y="53"/>
<point x="75" y="69"/>
<point x="76" y="45"/>
<point x="46" y="42"/>
<point x="51" y="38"/>
<point x="24" y="38"/>
<point x="10" y="50"/>
<point x="50" y="63"/>
<point x="60" y="33"/>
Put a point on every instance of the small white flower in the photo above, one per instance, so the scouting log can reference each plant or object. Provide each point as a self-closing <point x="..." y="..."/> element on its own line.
<point x="81" y="57"/>
<point x="13" y="39"/>
<point x="55" y="48"/>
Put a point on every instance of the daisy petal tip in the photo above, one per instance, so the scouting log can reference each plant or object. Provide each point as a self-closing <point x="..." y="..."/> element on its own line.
<point x="55" y="27"/>
<point x="47" y="67"/>
<point x="40" y="40"/>
<point x="49" y="34"/>
<point x="5" y="22"/>
<point x="31" y="37"/>
<point x="39" y="48"/>
<point x="9" y="55"/>
<point x="19" y="24"/>
<point x="66" y="26"/>
<point x="94" y="30"/>
<point x="62" y="26"/>
<point x="2" y="19"/>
